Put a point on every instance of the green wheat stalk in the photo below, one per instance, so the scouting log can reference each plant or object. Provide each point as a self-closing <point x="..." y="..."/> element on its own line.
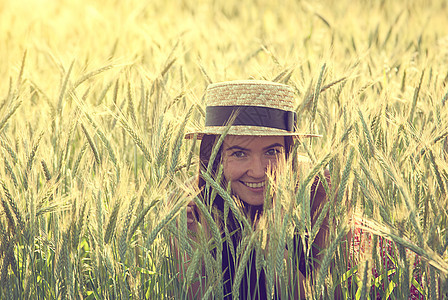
<point x="99" y="219"/>
<point x="13" y="205"/>
<point x="316" y="96"/>
<point x="363" y="290"/>
<point x="184" y="239"/>
<point x="160" y="225"/>
<point x="5" y="119"/>
<point x="122" y="243"/>
<point x="325" y="264"/>
<point x="9" y="217"/>
<point x="241" y="269"/>
<point x="137" y="140"/>
<point x="345" y="175"/>
<point x="104" y="92"/>
<point x="435" y="168"/>
<point x="178" y="141"/>
<point x="392" y="173"/>
<point x="78" y="159"/>
<point x="112" y="222"/>
<point x="212" y="225"/>
<point x="226" y="196"/>
<point x="64" y="87"/>
<point x="46" y="170"/>
<point x="10" y="172"/>
<point x="79" y="226"/>
<point x="131" y="109"/>
<point x="22" y="68"/>
<point x="91" y="144"/>
<point x="193" y="266"/>
<point x="414" y="99"/>
<point x="11" y="152"/>
<point x="367" y="133"/>
<point x="92" y="74"/>
<point x="139" y="219"/>
<point x="279" y="253"/>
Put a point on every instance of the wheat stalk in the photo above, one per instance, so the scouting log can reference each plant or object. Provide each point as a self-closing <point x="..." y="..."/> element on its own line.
<point x="91" y="144"/>
<point x="112" y="223"/>
<point x="78" y="159"/>
<point x="170" y="216"/>
<point x="325" y="264"/>
<point x="178" y="141"/>
<point x="64" y="87"/>
<point x="414" y="99"/>
<point x="10" y="172"/>
<point x="46" y="170"/>
<point x="9" y="114"/>
<point x="11" y="152"/>
<point x="316" y="97"/>
<point x="137" y="140"/>
<point x="92" y="74"/>
<point x="13" y="205"/>
<point x="122" y="244"/>
<point x="241" y="269"/>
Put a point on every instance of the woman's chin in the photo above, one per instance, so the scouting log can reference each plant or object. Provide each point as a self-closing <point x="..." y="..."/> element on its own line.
<point x="255" y="201"/>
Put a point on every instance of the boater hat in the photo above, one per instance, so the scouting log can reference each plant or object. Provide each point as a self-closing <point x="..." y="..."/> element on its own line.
<point x="253" y="107"/>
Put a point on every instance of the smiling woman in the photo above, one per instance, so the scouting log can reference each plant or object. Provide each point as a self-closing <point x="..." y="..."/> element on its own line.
<point x="259" y="122"/>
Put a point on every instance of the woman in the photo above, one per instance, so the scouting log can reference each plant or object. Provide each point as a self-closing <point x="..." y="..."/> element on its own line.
<point x="260" y="122"/>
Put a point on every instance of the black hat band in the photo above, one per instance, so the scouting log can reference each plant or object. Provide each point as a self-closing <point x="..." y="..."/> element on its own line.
<point x="251" y="116"/>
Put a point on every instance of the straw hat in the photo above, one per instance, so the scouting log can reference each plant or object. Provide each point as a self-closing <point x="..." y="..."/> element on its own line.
<point x="253" y="107"/>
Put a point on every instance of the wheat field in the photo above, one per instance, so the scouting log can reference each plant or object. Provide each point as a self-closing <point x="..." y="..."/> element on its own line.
<point x="95" y="99"/>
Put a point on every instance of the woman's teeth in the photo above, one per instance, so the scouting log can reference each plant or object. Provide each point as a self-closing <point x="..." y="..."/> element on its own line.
<point x="254" y="184"/>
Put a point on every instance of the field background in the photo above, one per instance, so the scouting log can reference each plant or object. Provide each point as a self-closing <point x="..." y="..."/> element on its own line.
<point x="95" y="97"/>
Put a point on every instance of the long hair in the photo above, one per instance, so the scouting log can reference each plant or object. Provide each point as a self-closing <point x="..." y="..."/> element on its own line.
<point x="256" y="286"/>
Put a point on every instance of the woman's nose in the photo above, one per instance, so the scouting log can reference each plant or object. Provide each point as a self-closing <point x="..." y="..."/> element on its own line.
<point x="257" y="168"/>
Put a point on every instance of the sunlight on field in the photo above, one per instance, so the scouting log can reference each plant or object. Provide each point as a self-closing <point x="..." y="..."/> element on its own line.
<point x="96" y="96"/>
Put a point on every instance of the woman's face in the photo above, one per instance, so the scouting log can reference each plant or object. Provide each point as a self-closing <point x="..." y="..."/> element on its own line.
<point x="246" y="160"/>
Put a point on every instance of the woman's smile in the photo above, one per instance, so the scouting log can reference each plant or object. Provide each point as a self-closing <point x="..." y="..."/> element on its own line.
<point x="254" y="185"/>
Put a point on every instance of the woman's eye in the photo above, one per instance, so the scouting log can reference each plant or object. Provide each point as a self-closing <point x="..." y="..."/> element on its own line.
<point x="238" y="154"/>
<point x="273" y="152"/>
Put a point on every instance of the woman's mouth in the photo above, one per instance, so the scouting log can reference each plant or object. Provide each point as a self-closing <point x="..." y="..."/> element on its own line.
<point x="254" y="185"/>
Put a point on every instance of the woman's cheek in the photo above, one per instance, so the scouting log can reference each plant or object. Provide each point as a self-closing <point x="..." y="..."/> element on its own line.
<point x="226" y="170"/>
<point x="232" y="170"/>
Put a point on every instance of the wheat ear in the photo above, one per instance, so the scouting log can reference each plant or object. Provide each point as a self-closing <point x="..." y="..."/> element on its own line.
<point x="92" y="145"/>
<point x="110" y="229"/>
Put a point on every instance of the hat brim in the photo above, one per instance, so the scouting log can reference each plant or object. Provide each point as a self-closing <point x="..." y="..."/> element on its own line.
<point x="247" y="131"/>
